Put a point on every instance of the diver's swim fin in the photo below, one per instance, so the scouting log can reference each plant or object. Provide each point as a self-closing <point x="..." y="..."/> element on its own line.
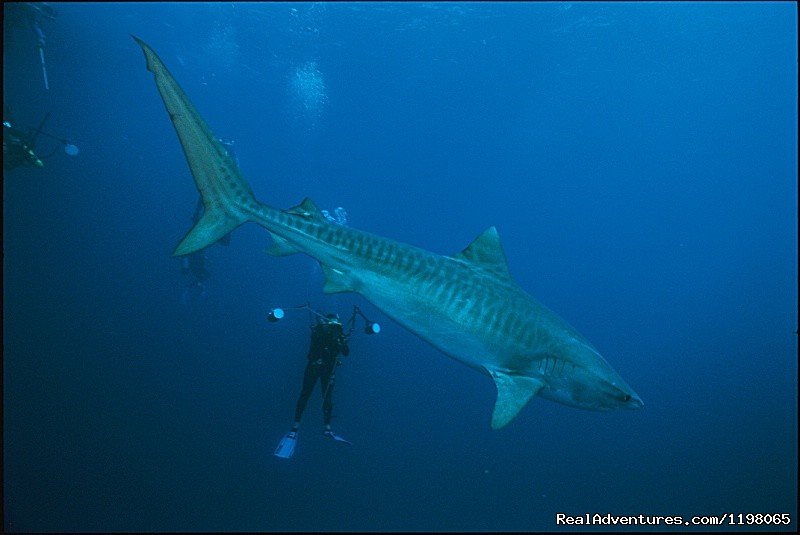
<point x="286" y="446"/>
<point x="337" y="438"/>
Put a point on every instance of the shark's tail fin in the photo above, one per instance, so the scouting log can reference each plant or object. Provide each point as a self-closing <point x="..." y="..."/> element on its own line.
<point x="223" y="189"/>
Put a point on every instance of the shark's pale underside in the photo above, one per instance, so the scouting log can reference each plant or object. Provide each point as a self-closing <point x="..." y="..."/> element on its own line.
<point x="466" y="305"/>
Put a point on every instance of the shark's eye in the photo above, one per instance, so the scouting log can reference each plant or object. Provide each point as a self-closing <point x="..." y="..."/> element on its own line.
<point x="626" y="397"/>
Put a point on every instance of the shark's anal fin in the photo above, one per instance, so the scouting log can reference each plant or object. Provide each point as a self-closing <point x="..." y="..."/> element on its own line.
<point x="513" y="393"/>
<point x="486" y="252"/>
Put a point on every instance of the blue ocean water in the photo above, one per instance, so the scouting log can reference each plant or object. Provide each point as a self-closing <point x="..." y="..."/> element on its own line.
<point x="639" y="161"/>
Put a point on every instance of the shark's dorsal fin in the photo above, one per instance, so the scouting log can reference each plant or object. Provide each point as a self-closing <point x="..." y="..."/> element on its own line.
<point x="307" y="209"/>
<point x="486" y="252"/>
<point x="513" y="393"/>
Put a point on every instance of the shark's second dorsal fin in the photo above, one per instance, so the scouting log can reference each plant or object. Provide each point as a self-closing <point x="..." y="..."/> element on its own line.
<point x="513" y="393"/>
<point x="486" y="252"/>
<point x="307" y="209"/>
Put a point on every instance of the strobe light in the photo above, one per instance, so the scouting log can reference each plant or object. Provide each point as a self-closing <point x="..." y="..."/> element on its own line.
<point x="275" y="314"/>
<point x="372" y="328"/>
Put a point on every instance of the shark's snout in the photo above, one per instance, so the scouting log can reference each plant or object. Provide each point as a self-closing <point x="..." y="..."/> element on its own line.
<point x="634" y="402"/>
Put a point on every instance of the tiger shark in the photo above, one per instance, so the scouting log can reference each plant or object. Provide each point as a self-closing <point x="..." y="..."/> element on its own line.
<point x="466" y="305"/>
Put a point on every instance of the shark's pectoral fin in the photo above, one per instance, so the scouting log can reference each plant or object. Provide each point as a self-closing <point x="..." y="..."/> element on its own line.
<point x="336" y="281"/>
<point x="513" y="393"/>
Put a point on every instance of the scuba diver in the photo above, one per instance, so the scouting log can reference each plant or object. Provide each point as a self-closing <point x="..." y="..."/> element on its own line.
<point x="194" y="264"/>
<point x="18" y="145"/>
<point x="18" y="148"/>
<point x="328" y="340"/>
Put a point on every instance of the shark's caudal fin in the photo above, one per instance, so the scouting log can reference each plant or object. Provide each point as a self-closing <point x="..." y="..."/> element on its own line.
<point x="216" y="175"/>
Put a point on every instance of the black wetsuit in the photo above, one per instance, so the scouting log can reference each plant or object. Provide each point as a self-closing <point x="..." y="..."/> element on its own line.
<point x="327" y="341"/>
